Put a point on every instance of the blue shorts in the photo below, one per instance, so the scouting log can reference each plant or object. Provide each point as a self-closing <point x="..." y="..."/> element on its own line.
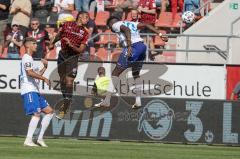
<point x="138" y="56"/>
<point x="33" y="103"/>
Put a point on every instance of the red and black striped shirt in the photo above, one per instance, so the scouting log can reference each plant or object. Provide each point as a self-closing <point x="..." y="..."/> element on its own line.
<point x="76" y="34"/>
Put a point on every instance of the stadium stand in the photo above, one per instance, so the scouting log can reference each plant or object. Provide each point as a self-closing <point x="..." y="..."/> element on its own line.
<point x="102" y="54"/>
<point x="101" y="18"/>
<point x="165" y="20"/>
<point x="158" y="42"/>
<point x="107" y="38"/>
<point x="52" y="54"/>
<point x="115" y="54"/>
<point x="110" y="42"/>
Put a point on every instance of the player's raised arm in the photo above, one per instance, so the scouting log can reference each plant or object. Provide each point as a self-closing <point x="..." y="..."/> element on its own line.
<point x="127" y="32"/>
<point x="55" y="39"/>
<point x="152" y="28"/>
<point x="45" y="65"/>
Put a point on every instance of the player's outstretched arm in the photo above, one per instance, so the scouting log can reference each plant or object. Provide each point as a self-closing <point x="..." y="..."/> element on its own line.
<point x="55" y="39"/>
<point x="152" y="28"/>
<point x="35" y="75"/>
<point x="45" y="65"/>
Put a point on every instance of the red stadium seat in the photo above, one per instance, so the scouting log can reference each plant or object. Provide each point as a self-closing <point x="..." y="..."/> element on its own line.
<point x="4" y="55"/>
<point x="115" y="54"/>
<point x="165" y="20"/>
<point x="106" y="39"/>
<point x="113" y="37"/>
<point x="170" y="56"/>
<point x="52" y="54"/>
<point x="101" y="18"/>
<point x="102" y="54"/>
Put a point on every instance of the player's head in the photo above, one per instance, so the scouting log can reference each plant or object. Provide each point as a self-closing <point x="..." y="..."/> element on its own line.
<point x="82" y="18"/>
<point x="30" y="44"/>
<point x="61" y="21"/>
<point x="101" y="71"/>
<point x="112" y="20"/>
<point x="134" y="14"/>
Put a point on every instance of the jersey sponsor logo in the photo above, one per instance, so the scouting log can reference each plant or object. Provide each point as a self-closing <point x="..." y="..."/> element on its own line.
<point x="156" y="120"/>
<point x="79" y="34"/>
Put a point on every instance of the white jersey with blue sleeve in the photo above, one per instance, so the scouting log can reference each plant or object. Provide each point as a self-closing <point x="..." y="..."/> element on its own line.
<point x="28" y="84"/>
<point x="135" y="36"/>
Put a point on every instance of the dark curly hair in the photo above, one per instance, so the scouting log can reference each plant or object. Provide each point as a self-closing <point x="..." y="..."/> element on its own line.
<point x="111" y="18"/>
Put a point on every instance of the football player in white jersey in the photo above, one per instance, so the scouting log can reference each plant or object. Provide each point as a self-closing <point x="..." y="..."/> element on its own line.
<point x="133" y="55"/>
<point x="34" y="102"/>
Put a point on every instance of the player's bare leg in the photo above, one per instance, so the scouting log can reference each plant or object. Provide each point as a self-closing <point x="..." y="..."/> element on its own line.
<point x="67" y="91"/>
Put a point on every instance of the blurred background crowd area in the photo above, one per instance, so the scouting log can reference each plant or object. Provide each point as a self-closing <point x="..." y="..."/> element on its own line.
<point x="40" y="19"/>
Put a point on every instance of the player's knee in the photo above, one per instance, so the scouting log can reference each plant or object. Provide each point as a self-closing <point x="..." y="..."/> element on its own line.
<point x="73" y="75"/>
<point x="69" y="85"/>
<point x="115" y="74"/>
<point x="69" y="82"/>
<point x="135" y="74"/>
<point x="48" y="110"/>
<point x="36" y="115"/>
<point x="117" y="71"/>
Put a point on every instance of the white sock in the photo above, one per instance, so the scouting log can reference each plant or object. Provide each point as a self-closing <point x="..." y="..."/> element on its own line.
<point x="44" y="124"/>
<point x="32" y="126"/>
<point x="111" y="89"/>
<point x="138" y="90"/>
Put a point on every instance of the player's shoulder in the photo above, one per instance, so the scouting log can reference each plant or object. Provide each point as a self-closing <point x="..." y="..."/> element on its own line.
<point x="27" y="57"/>
<point x="130" y="22"/>
<point x="119" y="22"/>
<point x="117" y="25"/>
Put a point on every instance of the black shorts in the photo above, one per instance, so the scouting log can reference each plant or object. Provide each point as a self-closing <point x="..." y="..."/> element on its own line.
<point x="67" y="65"/>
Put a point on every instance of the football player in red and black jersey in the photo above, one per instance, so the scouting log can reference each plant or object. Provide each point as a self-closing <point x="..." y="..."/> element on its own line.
<point x="73" y="37"/>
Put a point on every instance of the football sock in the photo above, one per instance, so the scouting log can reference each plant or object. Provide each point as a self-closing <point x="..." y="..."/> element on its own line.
<point x="44" y="124"/>
<point x="138" y="87"/>
<point x="63" y="89"/>
<point x="32" y="126"/>
<point x="67" y="94"/>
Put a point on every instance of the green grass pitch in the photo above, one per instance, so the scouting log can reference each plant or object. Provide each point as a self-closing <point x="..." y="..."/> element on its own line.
<point x="12" y="148"/>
